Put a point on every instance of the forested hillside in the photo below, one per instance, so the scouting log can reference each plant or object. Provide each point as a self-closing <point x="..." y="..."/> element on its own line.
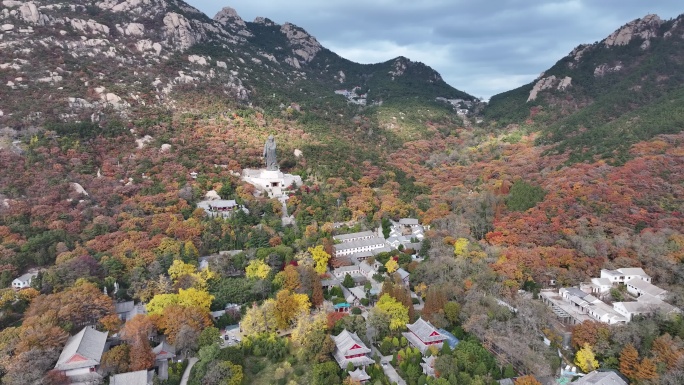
<point x="106" y="159"/>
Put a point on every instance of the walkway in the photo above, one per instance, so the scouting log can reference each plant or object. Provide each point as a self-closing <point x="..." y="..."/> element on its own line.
<point x="390" y="371"/>
<point x="186" y="375"/>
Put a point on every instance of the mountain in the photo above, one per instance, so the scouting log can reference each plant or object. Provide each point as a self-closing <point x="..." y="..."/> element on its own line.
<point x="112" y="61"/>
<point x="601" y="98"/>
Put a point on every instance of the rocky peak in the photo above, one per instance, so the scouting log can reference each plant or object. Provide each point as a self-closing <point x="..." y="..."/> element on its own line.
<point x="229" y="19"/>
<point x="228" y="15"/>
<point x="304" y="45"/>
<point x="264" y="21"/>
<point x="644" y="28"/>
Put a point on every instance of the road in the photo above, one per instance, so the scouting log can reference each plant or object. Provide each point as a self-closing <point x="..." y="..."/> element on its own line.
<point x="186" y="374"/>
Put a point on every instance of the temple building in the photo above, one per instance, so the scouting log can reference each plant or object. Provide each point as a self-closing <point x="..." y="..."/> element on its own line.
<point x="422" y="335"/>
<point x="350" y="348"/>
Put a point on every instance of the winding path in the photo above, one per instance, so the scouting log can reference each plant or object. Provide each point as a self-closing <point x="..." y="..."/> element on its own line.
<point x="186" y="374"/>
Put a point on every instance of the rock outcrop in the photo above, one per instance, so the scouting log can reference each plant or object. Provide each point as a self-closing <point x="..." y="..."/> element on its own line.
<point x="304" y="45"/>
<point x="228" y="16"/>
<point x="604" y="69"/>
<point x="179" y="29"/>
<point x="644" y="28"/>
<point x="547" y="83"/>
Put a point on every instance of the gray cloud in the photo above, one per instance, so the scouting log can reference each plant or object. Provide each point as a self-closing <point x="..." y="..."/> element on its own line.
<point x="481" y="47"/>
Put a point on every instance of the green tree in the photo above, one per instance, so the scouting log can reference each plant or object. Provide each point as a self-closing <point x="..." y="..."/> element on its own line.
<point x="209" y="336"/>
<point x="524" y="196"/>
<point x="348" y="281"/>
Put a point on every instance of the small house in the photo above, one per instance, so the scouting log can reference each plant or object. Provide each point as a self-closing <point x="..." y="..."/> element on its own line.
<point x="23" y="281"/>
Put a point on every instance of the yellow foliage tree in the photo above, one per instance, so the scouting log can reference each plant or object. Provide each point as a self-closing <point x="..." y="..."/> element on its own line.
<point x="190" y="250"/>
<point x="187" y="298"/>
<point x="461" y="247"/>
<point x="257" y="269"/>
<point x="398" y="313"/>
<point x="320" y="258"/>
<point x="159" y="302"/>
<point x="391" y="265"/>
<point x="179" y="268"/>
<point x="585" y="359"/>
<point x="259" y="319"/>
<point x="195" y="298"/>
<point x="289" y="306"/>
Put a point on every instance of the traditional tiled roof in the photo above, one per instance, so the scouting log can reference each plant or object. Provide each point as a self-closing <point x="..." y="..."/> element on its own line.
<point x="402" y="273"/>
<point x="223" y="203"/>
<point x="425" y="331"/>
<point x="350" y="343"/>
<point x="141" y="377"/>
<point x="359" y="375"/>
<point x="408" y="222"/>
<point x="124" y="307"/>
<point x="601" y="378"/>
<point x="164" y="351"/>
<point x="82" y="350"/>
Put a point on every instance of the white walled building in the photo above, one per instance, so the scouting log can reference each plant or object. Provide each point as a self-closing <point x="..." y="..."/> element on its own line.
<point x="23" y="281"/>
<point x="625" y="274"/>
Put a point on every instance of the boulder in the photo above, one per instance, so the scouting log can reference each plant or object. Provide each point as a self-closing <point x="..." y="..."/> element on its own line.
<point x="78" y="189"/>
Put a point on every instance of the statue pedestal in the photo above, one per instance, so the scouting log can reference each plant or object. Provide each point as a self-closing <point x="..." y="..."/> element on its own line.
<point x="272" y="182"/>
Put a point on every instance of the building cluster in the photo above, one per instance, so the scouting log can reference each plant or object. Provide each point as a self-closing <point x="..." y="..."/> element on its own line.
<point x="349" y="348"/>
<point x="351" y="254"/>
<point x="408" y="233"/>
<point x="576" y="305"/>
<point x="353" y="96"/>
<point x="462" y="106"/>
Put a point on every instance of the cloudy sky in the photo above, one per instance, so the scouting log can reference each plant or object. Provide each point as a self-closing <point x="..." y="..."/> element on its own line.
<point x="482" y="47"/>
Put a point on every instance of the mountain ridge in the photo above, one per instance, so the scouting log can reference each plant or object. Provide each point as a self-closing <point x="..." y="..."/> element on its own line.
<point x="581" y="99"/>
<point x="170" y="46"/>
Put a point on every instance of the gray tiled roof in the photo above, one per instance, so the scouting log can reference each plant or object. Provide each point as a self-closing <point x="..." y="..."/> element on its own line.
<point x="344" y="237"/>
<point x="164" y="351"/>
<point x="601" y="378"/>
<point x="140" y="377"/>
<point x="375" y="241"/>
<point x="423" y="329"/>
<point x="346" y="340"/>
<point x="88" y="344"/>
<point x="646" y="287"/>
<point x="408" y="221"/>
